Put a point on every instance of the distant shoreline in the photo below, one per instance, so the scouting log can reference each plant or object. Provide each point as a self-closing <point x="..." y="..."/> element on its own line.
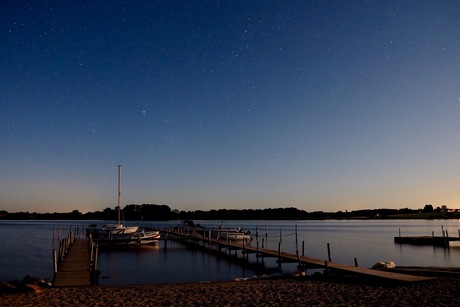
<point x="152" y="212"/>
<point x="420" y="216"/>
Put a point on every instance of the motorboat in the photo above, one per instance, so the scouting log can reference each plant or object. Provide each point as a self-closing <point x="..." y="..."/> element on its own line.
<point x="237" y="234"/>
<point x="145" y="236"/>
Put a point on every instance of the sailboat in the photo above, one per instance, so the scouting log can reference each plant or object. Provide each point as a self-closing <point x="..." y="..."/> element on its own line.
<point x="119" y="228"/>
<point x="114" y="229"/>
<point x="120" y="234"/>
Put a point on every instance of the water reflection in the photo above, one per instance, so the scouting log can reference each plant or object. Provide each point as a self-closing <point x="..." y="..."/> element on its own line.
<point x="369" y="241"/>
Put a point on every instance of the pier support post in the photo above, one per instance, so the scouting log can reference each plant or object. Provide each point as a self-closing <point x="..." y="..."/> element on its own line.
<point x="54" y="261"/>
<point x="96" y="254"/>
<point x="296" y="243"/>
<point x="356" y="262"/>
<point x="329" y="252"/>
<point x="279" y="255"/>
<point x="303" y="248"/>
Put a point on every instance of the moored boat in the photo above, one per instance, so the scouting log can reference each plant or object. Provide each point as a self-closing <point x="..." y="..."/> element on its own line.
<point x="237" y="234"/>
<point x="140" y="237"/>
<point x="118" y="228"/>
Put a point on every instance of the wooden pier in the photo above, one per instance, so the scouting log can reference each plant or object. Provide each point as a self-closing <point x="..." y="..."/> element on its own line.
<point x="426" y="240"/>
<point x="443" y="241"/>
<point x="306" y="262"/>
<point x="75" y="264"/>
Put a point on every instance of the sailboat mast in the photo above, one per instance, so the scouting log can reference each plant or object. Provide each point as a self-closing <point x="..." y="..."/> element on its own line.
<point x="119" y="191"/>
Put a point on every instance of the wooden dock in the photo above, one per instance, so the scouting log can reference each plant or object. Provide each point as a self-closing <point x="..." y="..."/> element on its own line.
<point x="303" y="261"/>
<point x="75" y="268"/>
<point x="426" y="240"/>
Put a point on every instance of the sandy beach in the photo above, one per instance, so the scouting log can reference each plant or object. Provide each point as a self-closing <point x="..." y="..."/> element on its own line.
<point x="278" y="292"/>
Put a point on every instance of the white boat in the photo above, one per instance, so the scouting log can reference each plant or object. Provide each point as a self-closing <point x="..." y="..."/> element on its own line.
<point x="145" y="236"/>
<point x="237" y="234"/>
<point x="119" y="228"/>
<point x="141" y="237"/>
<point x="113" y="229"/>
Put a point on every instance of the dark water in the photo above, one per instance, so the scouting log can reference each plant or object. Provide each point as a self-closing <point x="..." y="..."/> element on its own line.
<point x="26" y="249"/>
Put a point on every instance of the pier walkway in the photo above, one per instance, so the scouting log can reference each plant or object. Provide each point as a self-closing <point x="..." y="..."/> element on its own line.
<point x="75" y="268"/>
<point x="427" y="240"/>
<point x="303" y="261"/>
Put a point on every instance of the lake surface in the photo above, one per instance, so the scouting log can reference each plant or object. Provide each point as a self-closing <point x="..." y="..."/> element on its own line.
<point x="27" y="249"/>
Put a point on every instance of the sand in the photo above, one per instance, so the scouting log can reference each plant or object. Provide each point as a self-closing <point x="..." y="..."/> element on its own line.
<point x="279" y="292"/>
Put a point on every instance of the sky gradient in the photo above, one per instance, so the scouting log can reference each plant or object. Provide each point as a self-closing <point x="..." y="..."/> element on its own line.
<point x="319" y="105"/>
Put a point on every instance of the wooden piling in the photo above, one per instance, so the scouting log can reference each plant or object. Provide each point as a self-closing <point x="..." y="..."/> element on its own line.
<point x="54" y="261"/>
<point x="328" y="252"/>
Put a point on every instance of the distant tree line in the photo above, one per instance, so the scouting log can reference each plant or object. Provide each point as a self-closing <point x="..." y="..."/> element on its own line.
<point x="152" y="212"/>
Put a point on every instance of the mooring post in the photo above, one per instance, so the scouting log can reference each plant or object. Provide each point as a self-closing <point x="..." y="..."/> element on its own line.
<point x="279" y="255"/>
<point x="432" y="234"/>
<point x="60" y="251"/>
<point x="96" y="256"/>
<point x="296" y="242"/>
<point x="329" y="252"/>
<point x="91" y="251"/>
<point x="356" y="262"/>
<point x="303" y="248"/>
<point x="263" y="240"/>
<point x="54" y="261"/>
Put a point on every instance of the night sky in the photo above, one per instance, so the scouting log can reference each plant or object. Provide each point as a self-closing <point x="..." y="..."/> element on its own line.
<point x="319" y="105"/>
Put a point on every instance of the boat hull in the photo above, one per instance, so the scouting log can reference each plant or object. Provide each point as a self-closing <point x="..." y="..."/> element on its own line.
<point x="140" y="237"/>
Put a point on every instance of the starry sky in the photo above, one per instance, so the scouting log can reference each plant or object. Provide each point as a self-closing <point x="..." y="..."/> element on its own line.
<point x="318" y="105"/>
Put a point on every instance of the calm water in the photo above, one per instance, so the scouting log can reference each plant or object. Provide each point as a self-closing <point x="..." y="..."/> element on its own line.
<point x="27" y="249"/>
